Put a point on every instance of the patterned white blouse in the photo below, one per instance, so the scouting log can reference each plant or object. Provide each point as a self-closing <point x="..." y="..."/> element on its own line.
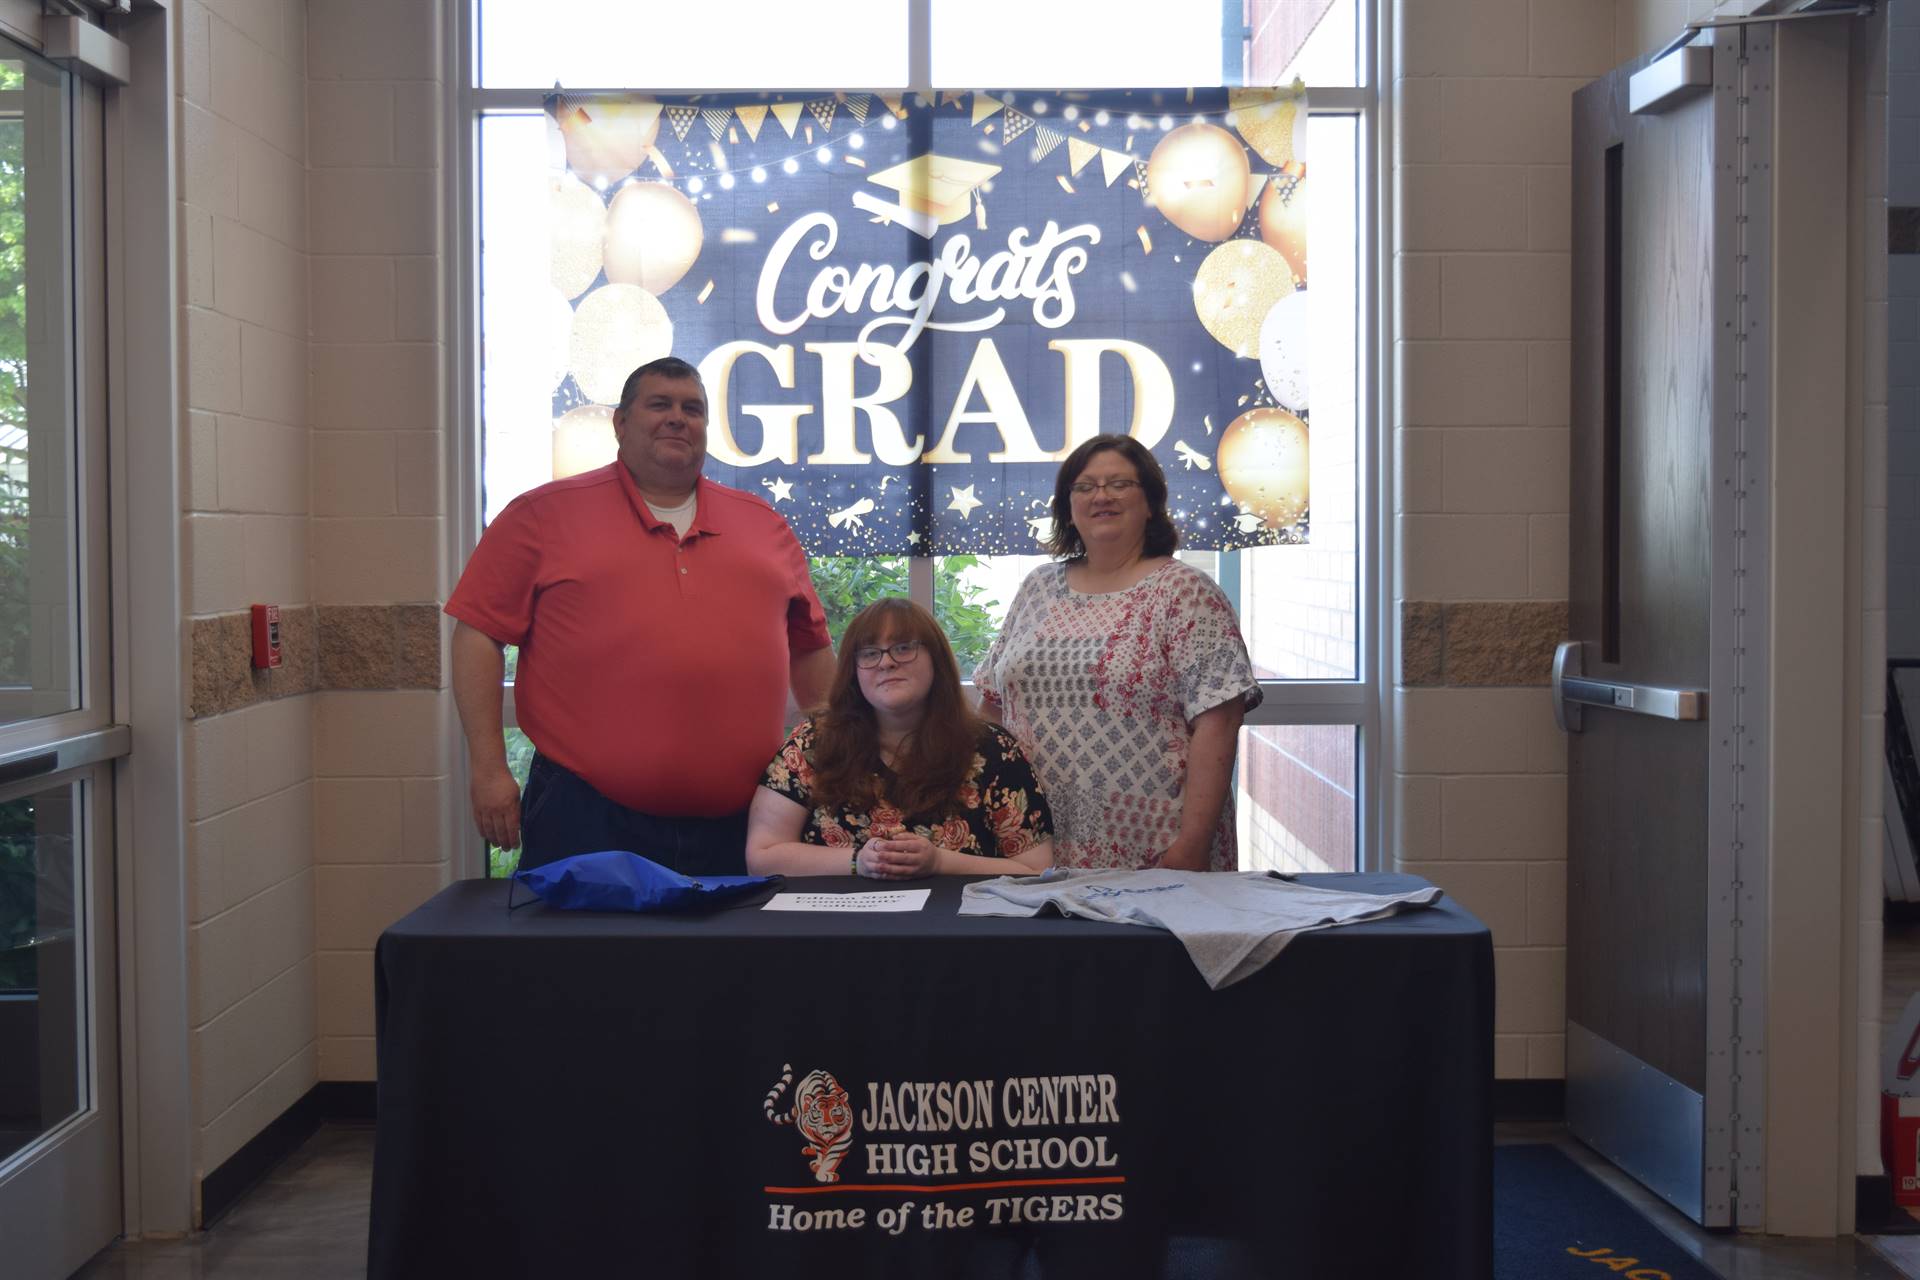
<point x="1100" y="689"/>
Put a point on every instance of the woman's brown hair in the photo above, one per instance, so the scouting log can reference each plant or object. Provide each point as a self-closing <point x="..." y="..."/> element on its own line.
<point x="1162" y="537"/>
<point x="930" y="765"/>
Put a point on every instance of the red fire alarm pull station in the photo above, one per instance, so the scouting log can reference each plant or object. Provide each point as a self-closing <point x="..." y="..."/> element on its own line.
<point x="266" y="636"/>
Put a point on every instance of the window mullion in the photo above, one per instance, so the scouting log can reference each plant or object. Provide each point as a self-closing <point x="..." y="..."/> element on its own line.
<point x="920" y="46"/>
<point x="920" y="581"/>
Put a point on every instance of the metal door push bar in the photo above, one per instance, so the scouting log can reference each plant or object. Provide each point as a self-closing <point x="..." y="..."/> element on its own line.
<point x="1573" y="692"/>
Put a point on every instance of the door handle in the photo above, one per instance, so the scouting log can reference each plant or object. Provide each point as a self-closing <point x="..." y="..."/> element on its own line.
<point x="1574" y="691"/>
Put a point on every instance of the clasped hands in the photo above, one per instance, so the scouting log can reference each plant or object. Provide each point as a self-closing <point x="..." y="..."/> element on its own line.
<point x="900" y="856"/>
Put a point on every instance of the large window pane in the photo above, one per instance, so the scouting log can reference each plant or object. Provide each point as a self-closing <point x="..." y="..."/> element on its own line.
<point x="524" y="321"/>
<point x="1144" y="43"/>
<point x="1299" y="605"/>
<point x="1076" y="43"/>
<point x="1296" y="797"/>
<point x="1315" y="41"/>
<point x="41" y="972"/>
<point x="39" y="626"/>
<point x="607" y="44"/>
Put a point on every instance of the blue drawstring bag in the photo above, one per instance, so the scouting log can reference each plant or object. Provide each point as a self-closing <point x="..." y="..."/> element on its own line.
<point x="616" y="880"/>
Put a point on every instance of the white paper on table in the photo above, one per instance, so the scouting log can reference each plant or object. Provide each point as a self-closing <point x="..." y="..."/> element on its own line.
<point x="885" y="900"/>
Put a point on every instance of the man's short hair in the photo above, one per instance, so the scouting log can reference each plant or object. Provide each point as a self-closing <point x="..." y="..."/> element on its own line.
<point x="666" y="367"/>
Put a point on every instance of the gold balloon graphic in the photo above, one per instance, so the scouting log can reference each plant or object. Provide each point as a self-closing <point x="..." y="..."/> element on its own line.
<point x="616" y="329"/>
<point x="1197" y="177"/>
<point x="579" y="220"/>
<point x="608" y="140"/>
<point x="1275" y="129"/>
<point x="1235" y="288"/>
<point x="1263" y="465"/>
<point x="582" y="440"/>
<point x="653" y="236"/>
<point x="1283" y="222"/>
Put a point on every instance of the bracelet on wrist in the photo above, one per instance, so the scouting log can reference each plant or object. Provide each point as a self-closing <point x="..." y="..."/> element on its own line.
<point x="853" y="864"/>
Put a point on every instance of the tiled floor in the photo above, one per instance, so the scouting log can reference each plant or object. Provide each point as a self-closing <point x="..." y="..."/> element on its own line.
<point x="308" y="1221"/>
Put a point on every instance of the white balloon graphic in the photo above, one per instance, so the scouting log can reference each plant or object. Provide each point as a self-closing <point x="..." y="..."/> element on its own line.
<point x="1285" y="344"/>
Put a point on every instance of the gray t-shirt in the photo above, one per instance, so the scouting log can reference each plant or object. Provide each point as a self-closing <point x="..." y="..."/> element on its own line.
<point x="1231" y="924"/>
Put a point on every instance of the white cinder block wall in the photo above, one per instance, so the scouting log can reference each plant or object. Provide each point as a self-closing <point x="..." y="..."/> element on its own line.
<point x="381" y="799"/>
<point x="243" y="251"/>
<point x="1482" y="95"/>
<point x="311" y="230"/>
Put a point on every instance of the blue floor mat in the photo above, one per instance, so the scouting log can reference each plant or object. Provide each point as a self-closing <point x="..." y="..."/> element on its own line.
<point x="1552" y="1220"/>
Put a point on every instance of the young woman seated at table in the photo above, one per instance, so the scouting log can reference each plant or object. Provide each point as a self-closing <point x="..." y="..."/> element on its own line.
<point x="896" y="777"/>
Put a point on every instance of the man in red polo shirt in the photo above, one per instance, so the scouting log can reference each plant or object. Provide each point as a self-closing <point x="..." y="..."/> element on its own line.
<point x="661" y="620"/>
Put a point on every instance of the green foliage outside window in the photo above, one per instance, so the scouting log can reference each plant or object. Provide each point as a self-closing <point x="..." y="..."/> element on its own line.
<point x="19" y="869"/>
<point x="16" y="625"/>
<point x="846" y="585"/>
<point x="501" y="862"/>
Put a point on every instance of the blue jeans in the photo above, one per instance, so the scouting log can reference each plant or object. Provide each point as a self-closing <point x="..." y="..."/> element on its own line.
<point x="561" y="815"/>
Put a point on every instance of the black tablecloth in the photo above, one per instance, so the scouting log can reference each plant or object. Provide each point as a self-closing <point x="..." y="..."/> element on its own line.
<point x="571" y="1094"/>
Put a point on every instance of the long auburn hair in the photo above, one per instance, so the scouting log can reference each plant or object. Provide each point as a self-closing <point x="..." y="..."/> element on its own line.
<point x="931" y="764"/>
<point x="1162" y="537"/>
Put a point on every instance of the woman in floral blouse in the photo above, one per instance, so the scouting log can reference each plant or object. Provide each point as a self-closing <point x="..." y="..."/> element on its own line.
<point x="1123" y="673"/>
<point x="896" y="777"/>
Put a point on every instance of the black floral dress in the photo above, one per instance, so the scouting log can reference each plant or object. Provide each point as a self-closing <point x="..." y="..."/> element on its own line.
<point x="1000" y="811"/>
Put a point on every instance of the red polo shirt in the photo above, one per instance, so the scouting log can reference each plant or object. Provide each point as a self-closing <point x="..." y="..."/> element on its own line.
<point x="653" y="666"/>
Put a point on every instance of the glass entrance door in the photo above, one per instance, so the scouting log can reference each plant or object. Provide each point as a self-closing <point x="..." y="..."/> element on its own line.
<point x="60" y="1173"/>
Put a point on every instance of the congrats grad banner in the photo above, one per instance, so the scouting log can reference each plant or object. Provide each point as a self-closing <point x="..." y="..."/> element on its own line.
<point x="907" y="310"/>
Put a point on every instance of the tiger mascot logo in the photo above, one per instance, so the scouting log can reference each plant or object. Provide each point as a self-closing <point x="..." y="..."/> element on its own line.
<point x="823" y="1114"/>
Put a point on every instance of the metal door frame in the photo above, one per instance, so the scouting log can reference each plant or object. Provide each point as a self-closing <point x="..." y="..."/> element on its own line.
<point x="1738" y="755"/>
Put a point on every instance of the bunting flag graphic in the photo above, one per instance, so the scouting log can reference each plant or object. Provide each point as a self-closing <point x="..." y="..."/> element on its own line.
<point x="716" y="118"/>
<point x="681" y="118"/>
<point x="1044" y="141"/>
<point x="822" y="110"/>
<point x="858" y="104"/>
<point x="1017" y="124"/>
<point x="985" y="106"/>
<point x="1078" y="153"/>
<point x="751" y="118"/>
<point x="788" y="114"/>
<point x="1114" y="163"/>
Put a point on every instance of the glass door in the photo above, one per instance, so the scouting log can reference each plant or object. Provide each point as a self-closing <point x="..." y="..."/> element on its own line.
<point x="60" y="1175"/>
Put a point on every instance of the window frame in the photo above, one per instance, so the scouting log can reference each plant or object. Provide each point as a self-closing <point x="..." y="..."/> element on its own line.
<point x="1363" y="702"/>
